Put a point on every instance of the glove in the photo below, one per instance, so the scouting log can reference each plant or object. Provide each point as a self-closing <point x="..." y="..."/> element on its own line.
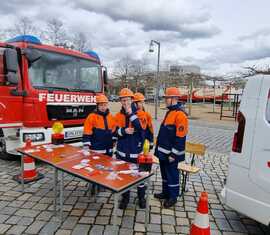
<point x="171" y="159"/>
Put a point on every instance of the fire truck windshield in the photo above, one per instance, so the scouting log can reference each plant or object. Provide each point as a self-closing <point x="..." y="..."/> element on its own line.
<point x="57" y="71"/>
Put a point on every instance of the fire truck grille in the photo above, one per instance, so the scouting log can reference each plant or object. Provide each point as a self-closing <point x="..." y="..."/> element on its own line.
<point x="68" y="112"/>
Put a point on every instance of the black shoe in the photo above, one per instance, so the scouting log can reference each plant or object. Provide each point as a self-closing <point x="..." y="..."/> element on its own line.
<point x="169" y="203"/>
<point x="142" y="203"/>
<point x="160" y="196"/>
<point x="123" y="204"/>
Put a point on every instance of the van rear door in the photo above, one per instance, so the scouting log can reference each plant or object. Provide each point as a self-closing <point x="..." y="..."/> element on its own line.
<point x="259" y="164"/>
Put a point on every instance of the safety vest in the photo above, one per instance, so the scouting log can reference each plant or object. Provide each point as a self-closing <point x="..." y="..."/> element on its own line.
<point x="99" y="132"/>
<point x="171" y="138"/>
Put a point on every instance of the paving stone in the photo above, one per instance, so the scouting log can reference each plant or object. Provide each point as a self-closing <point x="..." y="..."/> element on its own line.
<point x="155" y="210"/>
<point x="182" y="230"/>
<point x="81" y="229"/>
<point x="50" y="228"/>
<point x="35" y="227"/>
<point x="90" y="213"/>
<point x="4" y="228"/>
<point x="27" y="213"/>
<point x="8" y="210"/>
<point x="70" y="222"/>
<point x="182" y="221"/>
<point x="16" y="229"/>
<point x="28" y="205"/>
<point x="166" y="228"/>
<point x="223" y="225"/>
<point x="155" y="219"/>
<point x="139" y="227"/>
<point x="87" y="220"/>
<point x="129" y="212"/>
<point x="109" y="230"/>
<point x="45" y="215"/>
<point x="153" y="228"/>
<point x="218" y="214"/>
<point x="25" y="221"/>
<point x="24" y="197"/>
<point x="63" y="232"/>
<point x="16" y="204"/>
<point x="3" y="218"/>
<point x="128" y="222"/>
<point x="96" y="230"/>
<point x="102" y="220"/>
<point x="77" y="212"/>
<point x="40" y="207"/>
<point x="105" y="212"/>
<point x="216" y="232"/>
<point x="167" y="219"/>
<point x="167" y="212"/>
<point x="237" y="226"/>
<point x="140" y="217"/>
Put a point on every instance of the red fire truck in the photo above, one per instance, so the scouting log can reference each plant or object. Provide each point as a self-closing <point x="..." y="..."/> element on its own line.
<point x="41" y="84"/>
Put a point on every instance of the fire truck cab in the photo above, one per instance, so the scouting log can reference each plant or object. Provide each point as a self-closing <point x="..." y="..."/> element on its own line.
<point x="247" y="188"/>
<point x="41" y="84"/>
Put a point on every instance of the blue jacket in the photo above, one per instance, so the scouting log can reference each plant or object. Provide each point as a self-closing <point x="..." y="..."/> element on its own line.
<point x="171" y="139"/>
<point x="99" y="131"/>
<point x="129" y="146"/>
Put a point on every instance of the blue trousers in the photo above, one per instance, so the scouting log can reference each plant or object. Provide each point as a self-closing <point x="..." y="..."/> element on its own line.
<point x="170" y="179"/>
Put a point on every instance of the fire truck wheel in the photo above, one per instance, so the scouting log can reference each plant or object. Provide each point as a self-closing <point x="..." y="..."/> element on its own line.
<point x="3" y="154"/>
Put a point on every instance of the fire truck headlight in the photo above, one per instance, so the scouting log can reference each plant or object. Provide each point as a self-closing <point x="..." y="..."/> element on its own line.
<point x="35" y="137"/>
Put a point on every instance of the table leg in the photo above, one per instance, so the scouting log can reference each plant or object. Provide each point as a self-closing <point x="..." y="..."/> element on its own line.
<point x="89" y="191"/>
<point x="61" y="194"/>
<point x="193" y="159"/>
<point x="22" y="170"/>
<point x="55" y="182"/>
<point x="147" y="205"/>
<point x="115" y="209"/>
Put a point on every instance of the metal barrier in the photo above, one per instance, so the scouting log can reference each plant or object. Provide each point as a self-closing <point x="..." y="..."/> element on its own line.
<point x="233" y="103"/>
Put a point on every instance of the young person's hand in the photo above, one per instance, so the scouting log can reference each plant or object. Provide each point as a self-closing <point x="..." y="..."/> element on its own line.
<point x="129" y="130"/>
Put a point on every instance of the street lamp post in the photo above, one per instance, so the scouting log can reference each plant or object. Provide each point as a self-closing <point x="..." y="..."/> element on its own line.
<point x="151" y="49"/>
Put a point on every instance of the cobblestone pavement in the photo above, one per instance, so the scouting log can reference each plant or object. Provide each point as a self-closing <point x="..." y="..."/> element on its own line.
<point x="32" y="212"/>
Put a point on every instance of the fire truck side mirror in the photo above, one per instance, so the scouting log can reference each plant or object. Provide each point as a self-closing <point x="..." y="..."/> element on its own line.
<point x="32" y="55"/>
<point x="11" y="65"/>
<point x="105" y="78"/>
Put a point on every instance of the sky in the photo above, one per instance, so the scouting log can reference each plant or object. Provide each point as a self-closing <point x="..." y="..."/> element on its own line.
<point x="220" y="36"/>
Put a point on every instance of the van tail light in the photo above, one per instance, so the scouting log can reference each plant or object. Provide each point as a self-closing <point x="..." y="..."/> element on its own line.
<point x="239" y="135"/>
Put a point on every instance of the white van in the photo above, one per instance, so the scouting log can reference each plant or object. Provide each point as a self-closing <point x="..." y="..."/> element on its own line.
<point x="247" y="188"/>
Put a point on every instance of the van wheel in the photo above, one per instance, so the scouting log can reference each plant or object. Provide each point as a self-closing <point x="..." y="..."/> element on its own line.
<point x="3" y="152"/>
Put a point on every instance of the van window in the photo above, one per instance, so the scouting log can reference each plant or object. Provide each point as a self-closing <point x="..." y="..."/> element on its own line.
<point x="268" y="108"/>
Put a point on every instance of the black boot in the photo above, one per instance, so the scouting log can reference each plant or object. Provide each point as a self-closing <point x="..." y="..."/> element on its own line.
<point x="93" y="189"/>
<point x="141" y="196"/>
<point x="169" y="203"/>
<point x="124" y="201"/>
<point x="142" y="203"/>
<point x="160" y="196"/>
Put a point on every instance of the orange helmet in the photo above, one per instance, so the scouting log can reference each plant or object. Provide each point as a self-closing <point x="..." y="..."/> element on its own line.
<point x="172" y="92"/>
<point x="101" y="99"/>
<point x="125" y="92"/>
<point x="138" y="97"/>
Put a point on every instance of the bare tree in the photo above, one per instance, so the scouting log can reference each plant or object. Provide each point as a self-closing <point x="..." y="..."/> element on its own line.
<point x="122" y="70"/>
<point x="80" y="41"/>
<point x="55" y="33"/>
<point x="253" y="70"/>
<point x="23" y="26"/>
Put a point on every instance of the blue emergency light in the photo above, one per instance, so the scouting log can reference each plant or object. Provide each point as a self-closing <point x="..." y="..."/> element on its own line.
<point x="93" y="54"/>
<point x="25" y="38"/>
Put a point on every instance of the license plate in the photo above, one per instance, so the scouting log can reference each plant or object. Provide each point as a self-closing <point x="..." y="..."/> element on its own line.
<point x="73" y="134"/>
